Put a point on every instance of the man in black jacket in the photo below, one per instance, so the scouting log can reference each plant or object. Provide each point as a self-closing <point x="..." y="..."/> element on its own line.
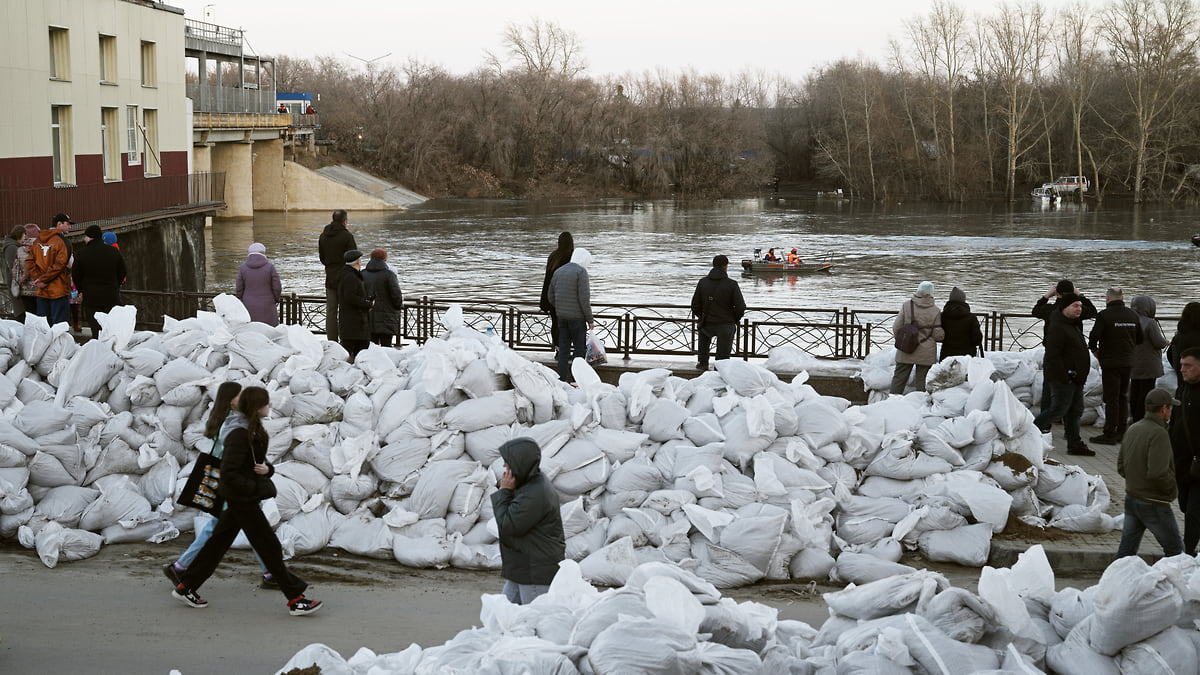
<point x="1185" y="442"/>
<point x="1066" y="366"/>
<point x="532" y="541"/>
<point x="1044" y="309"/>
<point x="333" y="243"/>
<point x="353" y="322"/>
<point x="1115" y="335"/>
<point x="99" y="272"/>
<point x="718" y="306"/>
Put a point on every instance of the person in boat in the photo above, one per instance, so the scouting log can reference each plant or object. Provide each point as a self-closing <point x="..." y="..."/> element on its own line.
<point x="794" y="258"/>
<point x="771" y="257"/>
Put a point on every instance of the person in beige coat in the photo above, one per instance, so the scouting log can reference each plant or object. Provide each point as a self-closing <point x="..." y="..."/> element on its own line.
<point x="929" y="322"/>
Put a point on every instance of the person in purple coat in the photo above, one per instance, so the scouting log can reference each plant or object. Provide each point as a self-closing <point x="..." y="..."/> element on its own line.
<point x="258" y="286"/>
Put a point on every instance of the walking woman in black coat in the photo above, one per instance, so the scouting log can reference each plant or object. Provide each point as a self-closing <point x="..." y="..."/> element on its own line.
<point x="245" y="481"/>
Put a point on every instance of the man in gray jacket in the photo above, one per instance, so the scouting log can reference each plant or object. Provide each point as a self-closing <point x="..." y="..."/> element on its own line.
<point x="571" y="296"/>
<point x="532" y="541"/>
<point x="1147" y="463"/>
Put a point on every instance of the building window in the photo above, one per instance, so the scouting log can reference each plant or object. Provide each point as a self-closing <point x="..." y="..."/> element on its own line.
<point x="149" y="65"/>
<point x="108" y="59"/>
<point x="150" y="128"/>
<point x="110" y="142"/>
<point x="131" y="135"/>
<point x="60" y="54"/>
<point x="60" y="143"/>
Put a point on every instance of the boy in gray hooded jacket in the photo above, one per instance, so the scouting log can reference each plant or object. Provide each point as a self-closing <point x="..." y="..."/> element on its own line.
<point x="532" y="542"/>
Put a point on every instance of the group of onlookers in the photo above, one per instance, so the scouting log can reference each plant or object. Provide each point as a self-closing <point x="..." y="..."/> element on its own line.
<point x="362" y="305"/>
<point x="47" y="278"/>
<point x="1158" y="431"/>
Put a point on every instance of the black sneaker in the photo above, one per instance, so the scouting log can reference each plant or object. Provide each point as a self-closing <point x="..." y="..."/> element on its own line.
<point x="269" y="583"/>
<point x="189" y="597"/>
<point x="1082" y="450"/>
<point x="302" y="605"/>
<point x="171" y="573"/>
<point x="1105" y="439"/>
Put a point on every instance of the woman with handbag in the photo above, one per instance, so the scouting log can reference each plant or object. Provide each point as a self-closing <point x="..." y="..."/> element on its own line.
<point x="245" y="481"/>
<point x="222" y="412"/>
<point x="923" y="313"/>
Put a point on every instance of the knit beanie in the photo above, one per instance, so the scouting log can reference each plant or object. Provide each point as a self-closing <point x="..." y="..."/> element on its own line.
<point x="925" y="287"/>
<point x="957" y="295"/>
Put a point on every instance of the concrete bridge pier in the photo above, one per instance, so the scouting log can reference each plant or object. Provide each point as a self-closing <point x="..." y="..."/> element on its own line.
<point x="237" y="161"/>
<point x="270" y="188"/>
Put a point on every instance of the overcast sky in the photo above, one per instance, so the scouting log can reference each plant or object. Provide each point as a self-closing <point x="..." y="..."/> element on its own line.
<point x="789" y="37"/>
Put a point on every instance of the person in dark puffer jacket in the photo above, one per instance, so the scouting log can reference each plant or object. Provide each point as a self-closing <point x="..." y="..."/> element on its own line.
<point x="1067" y="364"/>
<point x="1187" y="335"/>
<point x="379" y="282"/>
<point x="532" y="542"/>
<point x="963" y="335"/>
<point x="718" y="305"/>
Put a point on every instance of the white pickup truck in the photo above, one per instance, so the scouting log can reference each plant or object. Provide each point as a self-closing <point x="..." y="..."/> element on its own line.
<point x="1070" y="185"/>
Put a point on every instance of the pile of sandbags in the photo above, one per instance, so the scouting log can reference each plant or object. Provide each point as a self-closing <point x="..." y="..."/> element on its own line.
<point x="1137" y="619"/>
<point x="735" y="474"/>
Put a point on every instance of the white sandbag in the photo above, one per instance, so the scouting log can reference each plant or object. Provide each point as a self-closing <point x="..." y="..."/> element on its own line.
<point x="40" y="419"/>
<point x="745" y="378"/>
<point x="1074" y="656"/>
<point x="396" y="461"/>
<point x="88" y="370"/>
<point x="435" y="487"/>
<point x="885" y="597"/>
<point x="363" y="534"/>
<point x="638" y="473"/>
<point x="475" y="414"/>
<point x="1171" y="652"/>
<point x="116" y="506"/>
<point x="1132" y="602"/>
<point x="1068" y="608"/>
<point x="313" y="529"/>
<point x="66" y="504"/>
<point x="611" y="565"/>
<point x="898" y="459"/>
<point x="932" y="649"/>
<point x="664" y="419"/>
<point x="56" y="544"/>
<point x="618" y="445"/>
<point x="320" y="407"/>
<point x="644" y="646"/>
<point x="947" y="373"/>
<point x="820" y="424"/>
<point x="1009" y="414"/>
<point x="755" y="533"/>
<point x="47" y="470"/>
<point x="969" y="545"/>
<point x="959" y="613"/>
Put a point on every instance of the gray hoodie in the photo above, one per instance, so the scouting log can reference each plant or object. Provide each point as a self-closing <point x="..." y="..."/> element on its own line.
<point x="1147" y="356"/>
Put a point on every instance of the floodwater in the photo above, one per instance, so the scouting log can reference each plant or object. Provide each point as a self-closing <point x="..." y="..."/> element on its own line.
<point x="652" y="252"/>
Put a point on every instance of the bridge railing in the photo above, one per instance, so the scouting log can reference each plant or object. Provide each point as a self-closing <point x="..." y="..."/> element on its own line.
<point x="629" y="329"/>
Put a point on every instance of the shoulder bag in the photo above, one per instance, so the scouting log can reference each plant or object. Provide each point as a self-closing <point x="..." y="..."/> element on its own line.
<point x="908" y="337"/>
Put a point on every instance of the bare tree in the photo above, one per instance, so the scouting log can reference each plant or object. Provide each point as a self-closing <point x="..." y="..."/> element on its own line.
<point x="1152" y="44"/>
<point x="1078" y="59"/>
<point x="1017" y="45"/>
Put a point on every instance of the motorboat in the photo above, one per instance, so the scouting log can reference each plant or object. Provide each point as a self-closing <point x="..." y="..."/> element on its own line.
<point x="758" y="264"/>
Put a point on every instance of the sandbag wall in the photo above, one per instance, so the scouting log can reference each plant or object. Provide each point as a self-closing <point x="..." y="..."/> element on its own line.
<point x="734" y="475"/>
<point x="1138" y="619"/>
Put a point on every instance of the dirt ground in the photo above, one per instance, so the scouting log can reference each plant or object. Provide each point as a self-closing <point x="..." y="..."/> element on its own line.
<point x="113" y="613"/>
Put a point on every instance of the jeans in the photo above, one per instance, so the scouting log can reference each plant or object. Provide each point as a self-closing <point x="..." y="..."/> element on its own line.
<point x="54" y="310"/>
<point x="1066" y="401"/>
<point x="243" y="517"/>
<point x="331" y="314"/>
<point x="723" y="332"/>
<point x="523" y="594"/>
<point x="572" y="343"/>
<point x="1137" y="396"/>
<point x="1141" y="515"/>
<point x="1116" y="399"/>
<point x="202" y="538"/>
<point x="900" y="377"/>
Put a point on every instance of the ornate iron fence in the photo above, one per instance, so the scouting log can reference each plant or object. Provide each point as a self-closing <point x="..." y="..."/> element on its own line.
<point x="627" y="330"/>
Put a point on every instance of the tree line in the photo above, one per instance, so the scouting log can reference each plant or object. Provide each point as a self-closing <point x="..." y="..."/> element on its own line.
<point x="964" y="107"/>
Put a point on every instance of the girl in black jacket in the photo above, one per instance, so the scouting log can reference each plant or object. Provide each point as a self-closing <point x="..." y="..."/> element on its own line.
<point x="245" y="481"/>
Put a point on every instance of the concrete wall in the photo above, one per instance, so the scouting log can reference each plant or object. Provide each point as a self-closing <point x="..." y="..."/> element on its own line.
<point x="307" y="190"/>
<point x="270" y="192"/>
<point x="167" y="254"/>
<point x="235" y="159"/>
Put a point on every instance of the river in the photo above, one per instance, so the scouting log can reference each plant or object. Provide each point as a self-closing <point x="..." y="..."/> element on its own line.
<point x="1002" y="255"/>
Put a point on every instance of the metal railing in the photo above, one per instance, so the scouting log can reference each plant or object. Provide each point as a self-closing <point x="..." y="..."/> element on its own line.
<point x="222" y="99"/>
<point x="113" y="199"/>
<point x="628" y="330"/>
